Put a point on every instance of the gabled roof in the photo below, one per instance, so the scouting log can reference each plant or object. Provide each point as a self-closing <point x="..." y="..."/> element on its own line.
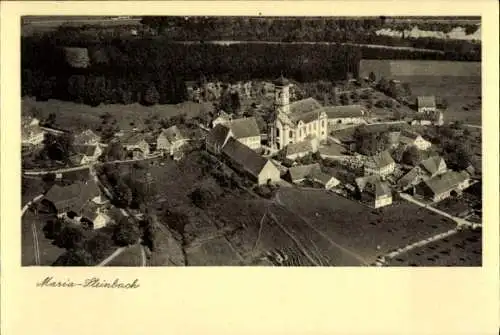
<point x="393" y="137"/>
<point x="446" y="181"/>
<point x="299" y="172"/>
<point x="410" y="178"/>
<point x="410" y="134"/>
<point x="132" y="138"/>
<point x="300" y="109"/>
<point x="172" y="134"/>
<point x="374" y="185"/>
<point x="322" y="177"/>
<point x="244" y="127"/>
<point x="218" y="134"/>
<point x="79" y="191"/>
<point x="305" y="117"/>
<point x="299" y="147"/>
<point x="432" y="164"/>
<point x="344" y="111"/>
<point x="84" y="149"/>
<point x="426" y="101"/>
<point x="361" y="182"/>
<point x="245" y="157"/>
<point x="381" y="160"/>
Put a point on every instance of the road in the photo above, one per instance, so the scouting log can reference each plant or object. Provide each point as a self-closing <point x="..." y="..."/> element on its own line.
<point x="36" y="244"/>
<point x="112" y="256"/>
<point x="458" y="221"/>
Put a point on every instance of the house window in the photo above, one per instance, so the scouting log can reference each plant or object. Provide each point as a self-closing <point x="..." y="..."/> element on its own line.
<point x="300" y="132"/>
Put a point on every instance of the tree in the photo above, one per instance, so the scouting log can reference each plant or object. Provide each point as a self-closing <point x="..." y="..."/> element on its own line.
<point x="74" y="257"/>
<point x="412" y="156"/>
<point x="70" y="237"/>
<point x="372" y="77"/>
<point x="344" y="99"/>
<point x="58" y="147"/>
<point x="151" y="96"/>
<point x="98" y="246"/>
<point x="53" y="228"/>
<point x="202" y="197"/>
<point x="126" y="233"/>
<point x="123" y="194"/>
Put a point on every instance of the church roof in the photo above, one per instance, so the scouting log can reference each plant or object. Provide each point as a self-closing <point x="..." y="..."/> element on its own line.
<point x="304" y="106"/>
<point x="281" y="81"/>
<point x="344" y="111"/>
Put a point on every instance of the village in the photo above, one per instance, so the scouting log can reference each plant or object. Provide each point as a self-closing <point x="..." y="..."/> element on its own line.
<point x="355" y="151"/>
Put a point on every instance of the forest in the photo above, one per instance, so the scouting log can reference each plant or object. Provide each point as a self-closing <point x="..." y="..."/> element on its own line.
<point x="152" y="69"/>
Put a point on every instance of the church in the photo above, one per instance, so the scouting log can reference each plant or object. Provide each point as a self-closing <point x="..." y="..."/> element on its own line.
<point x="295" y="122"/>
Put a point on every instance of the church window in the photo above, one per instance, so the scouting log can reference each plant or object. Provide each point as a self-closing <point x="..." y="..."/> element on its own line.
<point x="300" y="132"/>
<point x="323" y="124"/>
<point x="277" y="132"/>
<point x="290" y="134"/>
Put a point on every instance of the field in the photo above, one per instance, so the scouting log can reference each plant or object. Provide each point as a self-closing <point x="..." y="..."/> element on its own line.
<point x="215" y="252"/>
<point x="459" y="83"/>
<point x="47" y="251"/>
<point x="461" y="249"/>
<point x="76" y="117"/>
<point x="364" y="232"/>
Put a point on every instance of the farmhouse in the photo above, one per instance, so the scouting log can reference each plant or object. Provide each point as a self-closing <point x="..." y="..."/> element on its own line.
<point x="86" y="153"/>
<point x="71" y="197"/>
<point x="301" y="149"/>
<point x="87" y="137"/>
<point x="374" y="192"/>
<point x="324" y="179"/>
<point x="247" y="161"/>
<point x="223" y="118"/>
<point x="427" y="169"/>
<point x="246" y="131"/>
<point x="426" y="104"/>
<point x="381" y="164"/>
<point x="136" y="143"/>
<point x="409" y="138"/>
<point x="433" y="166"/>
<point x="298" y="173"/>
<point x="97" y="216"/>
<point x="217" y="138"/>
<point x="444" y="185"/>
<point x="294" y="122"/>
<point x="170" y="140"/>
<point x="350" y="114"/>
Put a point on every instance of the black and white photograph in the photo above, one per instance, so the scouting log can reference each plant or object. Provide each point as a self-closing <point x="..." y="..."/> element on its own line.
<point x="280" y="141"/>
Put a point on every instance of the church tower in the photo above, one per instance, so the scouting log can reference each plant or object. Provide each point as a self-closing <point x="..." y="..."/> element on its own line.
<point x="282" y="95"/>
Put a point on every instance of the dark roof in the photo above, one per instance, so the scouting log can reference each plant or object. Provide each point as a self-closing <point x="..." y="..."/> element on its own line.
<point x="132" y="138"/>
<point x="446" y="181"/>
<point x="410" y="178"/>
<point x="245" y="157"/>
<point x="426" y="101"/>
<point x="431" y="164"/>
<point x="84" y="149"/>
<point x="321" y="177"/>
<point x="281" y="81"/>
<point x="172" y="134"/>
<point x="382" y="159"/>
<point x="343" y="111"/>
<point x="373" y="184"/>
<point x="301" y="171"/>
<point x="410" y="134"/>
<point x="218" y="134"/>
<point x="299" y="147"/>
<point x="244" y="127"/>
<point x="78" y="192"/>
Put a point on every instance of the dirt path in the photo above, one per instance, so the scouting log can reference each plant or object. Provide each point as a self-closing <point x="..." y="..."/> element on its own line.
<point x="36" y="244"/>
<point x="112" y="256"/>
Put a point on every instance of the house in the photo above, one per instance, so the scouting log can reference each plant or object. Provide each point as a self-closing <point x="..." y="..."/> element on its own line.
<point x="430" y="117"/>
<point x="246" y="131"/>
<point x="349" y="114"/>
<point x="301" y="149"/>
<point x="426" y="104"/>
<point x="296" y="121"/>
<point x="299" y="173"/>
<point x="409" y="138"/>
<point x="433" y="166"/>
<point x="135" y="142"/>
<point x="86" y="153"/>
<point x="444" y="185"/>
<point x="31" y="132"/>
<point x="71" y="197"/>
<point x="375" y="192"/>
<point x="171" y="140"/>
<point x="380" y="164"/>
<point x="324" y="179"/>
<point x="97" y="216"/>
<point x="217" y="138"/>
<point x="249" y="162"/>
<point x="87" y="137"/>
<point x="223" y="118"/>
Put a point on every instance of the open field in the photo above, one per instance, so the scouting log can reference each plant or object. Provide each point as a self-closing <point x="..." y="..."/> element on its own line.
<point x="47" y="251"/>
<point x="391" y="69"/>
<point x="130" y="257"/>
<point x="216" y="252"/>
<point x="461" y="249"/>
<point x="367" y="233"/>
<point x="75" y="117"/>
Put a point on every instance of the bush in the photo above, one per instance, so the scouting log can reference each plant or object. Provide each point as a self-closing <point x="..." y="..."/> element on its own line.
<point x="202" y="197"/>
<point x="70" y="237"/>
<point x="52" y="229"/>
<point x="74" y="257"/>
<point x="126" y="233"/>
<point x="98" y="246"/>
